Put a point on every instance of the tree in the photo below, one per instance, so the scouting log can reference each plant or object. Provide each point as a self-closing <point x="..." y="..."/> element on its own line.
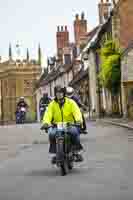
<point x="110" y="70"/>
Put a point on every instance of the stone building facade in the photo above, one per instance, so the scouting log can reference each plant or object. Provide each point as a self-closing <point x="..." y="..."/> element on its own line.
<point x="85" y="80"/>
<point x="127" y="81"/>
<point x="18" y="78"/>
<point x="123" y="15"/>
<point x="122" y="20"/>
<point x="125" y="10"/>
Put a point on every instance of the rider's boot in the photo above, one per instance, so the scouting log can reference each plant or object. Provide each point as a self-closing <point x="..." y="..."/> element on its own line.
<point x="53" y="161"/>
<point x="77" y="154"/>
<point x="84" y="131"/>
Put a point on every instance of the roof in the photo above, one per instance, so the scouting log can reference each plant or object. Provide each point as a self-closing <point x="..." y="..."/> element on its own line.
<point x="93" y="39"/>
<point x="55" y="73"/>
<point x="91" y="36"/>
<point x="92" y="32"/>
<point x="95" y="34"/>
<point x="14" y="62"/>
<point x="79" y="76"/>
<point x="118" y="3"/>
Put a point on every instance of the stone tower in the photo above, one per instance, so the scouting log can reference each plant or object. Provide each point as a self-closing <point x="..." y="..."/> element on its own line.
<point x="104" y="9"/>
<point x="80" y="28"/>
<point x="62" y="37"/>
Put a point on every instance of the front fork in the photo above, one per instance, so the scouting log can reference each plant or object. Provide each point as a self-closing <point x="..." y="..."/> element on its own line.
<point x="63" y="149"/>
<point x="60" y="155"/>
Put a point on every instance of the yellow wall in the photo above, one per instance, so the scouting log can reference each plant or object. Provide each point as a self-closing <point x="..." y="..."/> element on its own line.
<point x="15" y="85"/>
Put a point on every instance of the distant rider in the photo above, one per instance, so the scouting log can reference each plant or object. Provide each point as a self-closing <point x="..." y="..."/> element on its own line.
<point x="22" y="103"/>
<point x="44" y="101"/>
<point x="71" y="94"/>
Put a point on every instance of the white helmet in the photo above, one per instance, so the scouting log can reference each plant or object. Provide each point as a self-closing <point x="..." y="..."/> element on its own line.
<point x="21" y="98"/>
<point x="69" y="91"/>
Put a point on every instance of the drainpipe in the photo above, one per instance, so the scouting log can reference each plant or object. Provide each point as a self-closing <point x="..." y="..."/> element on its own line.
<point x="86" y="58"/>
<point x="98" y="84"/>
<point x="2" y="110"/>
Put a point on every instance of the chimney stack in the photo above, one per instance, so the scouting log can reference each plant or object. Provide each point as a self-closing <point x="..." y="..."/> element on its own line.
<point x="62" y="28"/>
<point x="58" y="28"/>
<point x="104" y="10"/>
<point x="62" y="37"/>
<point x="80" y="27"/>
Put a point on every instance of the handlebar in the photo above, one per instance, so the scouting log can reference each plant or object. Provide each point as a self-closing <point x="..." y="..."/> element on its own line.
<point x="68" y="124"/>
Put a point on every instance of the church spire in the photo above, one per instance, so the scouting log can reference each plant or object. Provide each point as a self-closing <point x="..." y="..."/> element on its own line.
<point x="39" y="55"/>
<point x="10" y="52"/>
<point x="27" y="55"/>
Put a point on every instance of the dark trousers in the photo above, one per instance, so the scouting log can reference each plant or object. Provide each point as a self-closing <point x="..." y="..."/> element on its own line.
<point x="75" y="135"/>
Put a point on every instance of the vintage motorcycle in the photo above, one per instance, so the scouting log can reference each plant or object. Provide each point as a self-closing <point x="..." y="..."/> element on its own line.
<point x="65" y="151"/>
<point x="20" y="115"/>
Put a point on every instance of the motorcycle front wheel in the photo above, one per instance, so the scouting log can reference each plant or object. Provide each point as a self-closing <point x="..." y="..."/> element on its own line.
<point x="64" y="169"/>
<point x="70" y="165"/>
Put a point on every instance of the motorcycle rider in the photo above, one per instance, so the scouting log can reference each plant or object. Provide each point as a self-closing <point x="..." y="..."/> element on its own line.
<point x="63" y="109"/>
<point x="22" y="103"/>
<point x="71" y="94"/>
<point x="44" y="101"/>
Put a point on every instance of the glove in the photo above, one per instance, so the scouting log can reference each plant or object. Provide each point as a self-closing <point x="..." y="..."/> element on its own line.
<point x="84" y="108"/>
<point x="44" y="127"/>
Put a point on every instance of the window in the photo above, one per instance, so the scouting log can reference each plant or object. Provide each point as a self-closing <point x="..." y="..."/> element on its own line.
<point x="28" y="87"/>
<point x="67" y="59"/>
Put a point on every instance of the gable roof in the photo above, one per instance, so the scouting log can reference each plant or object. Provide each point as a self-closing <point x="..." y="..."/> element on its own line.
<point x="91" y="36"/>
<point x="81" y="75"/>
<point x="55" y="73"/>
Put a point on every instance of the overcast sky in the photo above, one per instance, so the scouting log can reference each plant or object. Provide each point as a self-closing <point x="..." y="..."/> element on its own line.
<point x="34" y="21"/>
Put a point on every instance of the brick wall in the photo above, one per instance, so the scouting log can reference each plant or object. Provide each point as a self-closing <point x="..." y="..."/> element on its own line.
<point x="126" y="22"/>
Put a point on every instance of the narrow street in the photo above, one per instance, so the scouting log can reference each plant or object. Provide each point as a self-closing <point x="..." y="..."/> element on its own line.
<point x="105" y="174"/>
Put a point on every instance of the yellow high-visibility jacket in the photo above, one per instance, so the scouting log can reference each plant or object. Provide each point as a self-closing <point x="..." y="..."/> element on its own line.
<point x="69" y="112"/>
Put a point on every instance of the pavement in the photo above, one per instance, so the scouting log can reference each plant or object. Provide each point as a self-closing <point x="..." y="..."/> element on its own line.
<point x="122" y="122"/>
<point x="105" y="173"/>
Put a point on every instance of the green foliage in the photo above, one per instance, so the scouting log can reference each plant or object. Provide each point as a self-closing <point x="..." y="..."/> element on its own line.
<point x="110" y="73"/>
